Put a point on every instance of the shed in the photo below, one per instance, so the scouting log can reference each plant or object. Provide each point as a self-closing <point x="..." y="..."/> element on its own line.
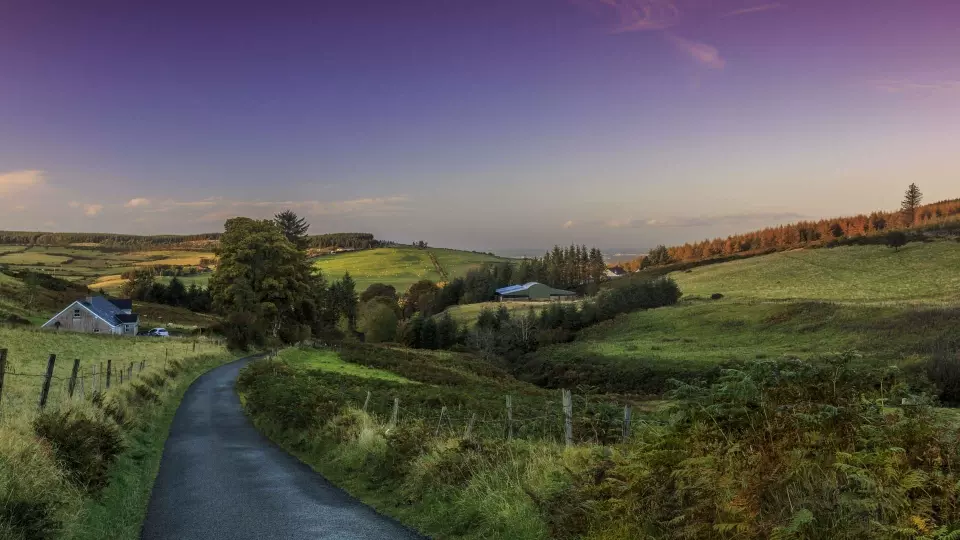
<point x="533" y="291"/>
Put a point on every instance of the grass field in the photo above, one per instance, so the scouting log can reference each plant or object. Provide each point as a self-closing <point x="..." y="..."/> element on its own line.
<point x="894" y="308"/>
<point x="29" y="349"/>
<point x="918" y="273"/>
<point x="400" y="266"/>
<point x="95" y="267"/>
<point x="467" y="313"/>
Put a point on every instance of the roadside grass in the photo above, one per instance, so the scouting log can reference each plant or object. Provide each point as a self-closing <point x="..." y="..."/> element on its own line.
<point x="330" y="362"/>
<point x="42" y="496"/>
<point x="918" y="273"/>
<point x="399" y="266"/>
<point x="30" y="348"/>
<point x="118" y="512"/>
<point x="421" y="471"/>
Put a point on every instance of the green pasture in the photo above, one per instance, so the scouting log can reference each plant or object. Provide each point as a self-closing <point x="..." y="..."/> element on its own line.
<point x="917" y="273"/>
<point x="399" y="266"/>
<point x="29" y="349"/>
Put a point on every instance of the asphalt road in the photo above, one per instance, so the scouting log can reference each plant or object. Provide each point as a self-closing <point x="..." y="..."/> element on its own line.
<point x="220" y="478"/>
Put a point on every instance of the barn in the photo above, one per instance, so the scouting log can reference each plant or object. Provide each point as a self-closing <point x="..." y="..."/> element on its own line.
<point x="97" y="315"/>
<point x="533" y="291"/>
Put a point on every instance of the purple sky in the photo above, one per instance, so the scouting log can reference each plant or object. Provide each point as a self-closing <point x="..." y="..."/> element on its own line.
<point x="490" y="124"/>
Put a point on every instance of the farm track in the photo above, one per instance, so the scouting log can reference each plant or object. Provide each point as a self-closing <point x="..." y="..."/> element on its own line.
<point x="220" y="478"/>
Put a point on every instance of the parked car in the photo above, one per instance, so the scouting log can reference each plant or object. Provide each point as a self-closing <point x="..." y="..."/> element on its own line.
<point x="158" y="332"/>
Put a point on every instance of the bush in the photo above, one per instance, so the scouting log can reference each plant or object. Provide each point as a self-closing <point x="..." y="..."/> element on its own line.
<point x="85" y="446"/>
<point x="943" y="370"/>
<point x="33" y="493"/>
<point x="716" y="296"/>
<point x="378" y="322"/>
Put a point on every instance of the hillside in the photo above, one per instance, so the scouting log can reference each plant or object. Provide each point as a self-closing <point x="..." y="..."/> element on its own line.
<point x="401" y="266"/>
<point x="917" y="273"/>
<point x="894" y="307"/>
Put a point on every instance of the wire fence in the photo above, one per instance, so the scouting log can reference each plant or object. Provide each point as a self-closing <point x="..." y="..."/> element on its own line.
<point x="568" y="420"/>
<point x="21" y="388"/>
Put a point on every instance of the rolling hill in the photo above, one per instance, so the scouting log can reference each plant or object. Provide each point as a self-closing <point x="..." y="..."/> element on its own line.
<point x="893" y="307"/>
<point x="401" y="266"/>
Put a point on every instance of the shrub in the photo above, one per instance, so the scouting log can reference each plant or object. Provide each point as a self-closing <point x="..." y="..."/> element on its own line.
<point x="85" y="446"/>
<point x="378" y="322"/>
<point x="33" y="493"/>
<point x="943" y="370"/>
<point x="716" y="296"/>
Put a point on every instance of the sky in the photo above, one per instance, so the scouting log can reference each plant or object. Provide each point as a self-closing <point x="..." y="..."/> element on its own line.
<point x="479" y="124"/>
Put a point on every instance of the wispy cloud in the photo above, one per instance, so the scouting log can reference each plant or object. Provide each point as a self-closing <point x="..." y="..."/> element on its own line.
<point x="137" y="202"/>
<point x="89" y="210"/>
<point x="702" y="53"/>
<point x="224" y="209"/>
<point x="755" y="9"/>
<point x="636" y="15"/>
<point x="928" y="87"/>
<point x="17" y="181"/>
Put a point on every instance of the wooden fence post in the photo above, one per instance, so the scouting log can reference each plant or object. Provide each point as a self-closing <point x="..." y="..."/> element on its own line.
<point x="143" y="364"/>
<point x="45" y="390"/>
<point x="100" y="377"/>
<point x="109" y="372"/>
<point x="3" y="369"/>
<point x="627" y="416"/>
<point x="509" y="417"/>
<point x="396" y="412"/>
<point x="130" y="372"/>
<point x="166" y="353"/>
<point x="73" y="377"/>
<point x="120" y="372"/>
<point x="469" y="431"/>
<point x="567" y="418"/>
<point x="366" y="402"/>
<point x="440" y="422"/>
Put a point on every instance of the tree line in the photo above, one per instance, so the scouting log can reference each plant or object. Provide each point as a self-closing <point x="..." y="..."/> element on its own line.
<point x="142" y="285"/>
<point x="911" y="215"/>
<point x="129" y="242"/>
<point x="500" y="332"/>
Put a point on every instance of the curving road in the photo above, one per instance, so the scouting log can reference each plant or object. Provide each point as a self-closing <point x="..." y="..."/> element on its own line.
<point x="220" y="478"/>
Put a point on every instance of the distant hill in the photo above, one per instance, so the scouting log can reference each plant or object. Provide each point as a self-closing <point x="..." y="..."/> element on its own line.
<point x="942" y="216"/>
<point x="402" y="266"/>
<point x="131" y="242"/>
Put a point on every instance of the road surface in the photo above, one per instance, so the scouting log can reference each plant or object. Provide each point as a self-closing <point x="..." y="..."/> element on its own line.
<point x="221" y="479"/>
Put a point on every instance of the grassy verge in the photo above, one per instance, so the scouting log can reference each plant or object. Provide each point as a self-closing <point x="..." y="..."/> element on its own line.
<point x="119" y="510"/>
<point x="84" y="466"/>
<point x="421" y="471"/>
<point x="787" y="449"/>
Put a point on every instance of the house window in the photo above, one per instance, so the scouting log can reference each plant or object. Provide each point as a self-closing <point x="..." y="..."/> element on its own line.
<point x="76" y="314"/>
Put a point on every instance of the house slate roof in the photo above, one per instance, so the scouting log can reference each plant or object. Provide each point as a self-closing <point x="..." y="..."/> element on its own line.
<point x="109" y="311"/>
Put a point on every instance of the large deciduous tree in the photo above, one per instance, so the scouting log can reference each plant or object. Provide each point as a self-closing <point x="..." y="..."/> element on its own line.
<point x="293" y="227"/>
<point x="264" y="285"/>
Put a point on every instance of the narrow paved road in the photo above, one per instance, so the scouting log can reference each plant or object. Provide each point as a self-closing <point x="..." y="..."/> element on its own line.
<point x="220" y="478"/>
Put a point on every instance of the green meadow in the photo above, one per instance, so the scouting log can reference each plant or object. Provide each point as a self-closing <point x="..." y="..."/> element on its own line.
<point x="400" y="266"/>
<point x="918" y="273"/>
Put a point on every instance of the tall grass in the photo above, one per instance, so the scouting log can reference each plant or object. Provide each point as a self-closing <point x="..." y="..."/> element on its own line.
<point x="59" y="465"/>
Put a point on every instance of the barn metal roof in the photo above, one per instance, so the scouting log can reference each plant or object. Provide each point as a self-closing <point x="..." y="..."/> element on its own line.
<point x="516" y="288"/>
